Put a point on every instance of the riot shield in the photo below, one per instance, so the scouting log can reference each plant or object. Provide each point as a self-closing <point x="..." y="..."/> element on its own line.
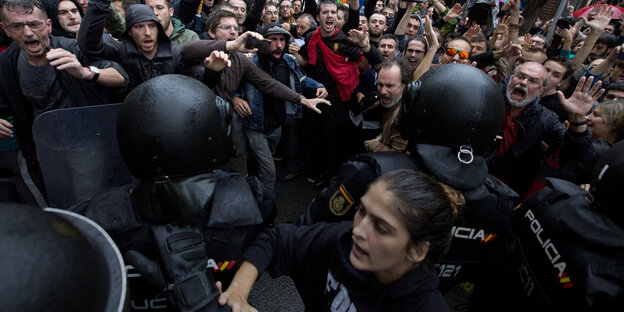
<point x="78" y="153"/>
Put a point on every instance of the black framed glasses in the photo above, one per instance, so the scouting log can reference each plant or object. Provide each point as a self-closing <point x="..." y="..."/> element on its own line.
<point x="228" y="27"/>
<point x="19" y="27"/>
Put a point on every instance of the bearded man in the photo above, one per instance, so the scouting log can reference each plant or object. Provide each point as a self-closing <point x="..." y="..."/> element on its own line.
<point x="392" y="79"/>
<point x="527" y="124"/>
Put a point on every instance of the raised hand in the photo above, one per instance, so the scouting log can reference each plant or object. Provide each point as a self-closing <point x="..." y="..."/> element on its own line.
<point x="527" y="41"/>
<point x="217" y="61"/>
<point x="238" y="44"/>
<point x="601" y="19"/>
<point x="566" y="34"/>
<point x="430" y="35"/>
<point x="570" y="8"/>
<point x="472" y="31"/>
<point x="582" y="100"/>
<point x="511" y="50"/>
<point x="455" y="12"/>
<point x="64" y="60"/>
<point x="357" y="36"/>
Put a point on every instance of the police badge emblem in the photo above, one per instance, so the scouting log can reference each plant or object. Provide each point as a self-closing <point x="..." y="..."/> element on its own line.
<point x="340" y="202"/>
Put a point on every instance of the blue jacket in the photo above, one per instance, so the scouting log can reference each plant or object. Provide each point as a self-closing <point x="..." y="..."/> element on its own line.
<point x="253" y="96"/>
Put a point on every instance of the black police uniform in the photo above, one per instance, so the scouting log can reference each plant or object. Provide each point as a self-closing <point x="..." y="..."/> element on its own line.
<point x="570" y="243"/>
<point x="447" y="131"/>
<point x="185" y="224"/>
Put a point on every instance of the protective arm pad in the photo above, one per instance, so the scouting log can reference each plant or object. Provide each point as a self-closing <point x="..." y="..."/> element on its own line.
<point x="196" y="292"/>
<point x="184" y="259"/>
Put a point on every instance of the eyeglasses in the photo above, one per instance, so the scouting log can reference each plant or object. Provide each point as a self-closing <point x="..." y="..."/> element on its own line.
<point x="19" y="27"/>
<point x="228" y="27"/>
<point x="462" y="54"/>
<point x="522" y="76"/>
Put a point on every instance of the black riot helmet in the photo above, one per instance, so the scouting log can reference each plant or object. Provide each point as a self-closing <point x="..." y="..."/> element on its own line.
<point x="607" y="183"/>
<point x="169" y="126"/>
<point x="57" y="260"/>
<point x="451" y="117"/>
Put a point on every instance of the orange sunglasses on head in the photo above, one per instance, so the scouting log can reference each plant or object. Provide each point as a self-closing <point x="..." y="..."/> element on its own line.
<point x="462" y="54"/>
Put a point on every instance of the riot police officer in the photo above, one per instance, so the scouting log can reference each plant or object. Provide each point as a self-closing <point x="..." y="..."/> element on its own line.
<point x="184" y="224"/>
<point x="450" y="117"/>
<point x="570" y="242"/>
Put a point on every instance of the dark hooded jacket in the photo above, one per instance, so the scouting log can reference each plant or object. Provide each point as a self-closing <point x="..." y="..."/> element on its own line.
<point x="51" y="8"/>
<point x="12" y="100"/>
<point x="165" y="61"/>
<point x="317" y="259"/>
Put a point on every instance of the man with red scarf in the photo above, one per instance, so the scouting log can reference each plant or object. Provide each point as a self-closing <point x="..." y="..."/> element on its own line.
<point x="328" y="56"/>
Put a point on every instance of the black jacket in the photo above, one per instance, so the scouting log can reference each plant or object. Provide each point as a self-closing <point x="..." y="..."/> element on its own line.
<point x="317" y="259"/>
<point x="51" y="8"/>
<point x="578" y="158"/>
<point x="128" y="212"/>
<point x="571" y="252"/>
<point x="166" y="61"/>
<point x="523" y="162"/>
<point x="81" y="92"/>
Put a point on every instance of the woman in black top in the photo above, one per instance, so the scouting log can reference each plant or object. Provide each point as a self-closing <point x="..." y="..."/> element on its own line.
<point x="382" y="261"/>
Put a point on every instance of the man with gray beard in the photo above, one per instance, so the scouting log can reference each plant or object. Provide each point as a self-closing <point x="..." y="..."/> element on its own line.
<point x="392" y="79"/>
<point x="517" y="159"/>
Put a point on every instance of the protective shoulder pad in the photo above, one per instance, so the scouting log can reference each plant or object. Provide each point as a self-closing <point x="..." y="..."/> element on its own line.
<point x="387" y="161"/>
<point x="498" y="187"/>
<point x="565" y="187"/>
<point x="111" y="209"/>
<point x="234" y="204"/>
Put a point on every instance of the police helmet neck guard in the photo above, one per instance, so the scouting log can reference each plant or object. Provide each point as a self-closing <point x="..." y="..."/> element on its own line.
<point x="451" y="117"/>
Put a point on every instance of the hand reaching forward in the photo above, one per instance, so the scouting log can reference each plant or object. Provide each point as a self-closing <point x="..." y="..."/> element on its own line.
<point x="582" y="100"/>
<point x="217" y="61"/>
<point x="234" y="298"/>
<point x="312" y="103"/>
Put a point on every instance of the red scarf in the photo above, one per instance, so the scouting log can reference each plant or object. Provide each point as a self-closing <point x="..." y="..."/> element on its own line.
<point x="344" y="73"/>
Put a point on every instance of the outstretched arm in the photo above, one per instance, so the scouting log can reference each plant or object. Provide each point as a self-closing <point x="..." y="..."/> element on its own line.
<point x="581" y="102"/>
<point x="90" y="38"/>
<point x="597" y="26"/>
<point x="400" y="29"/>
<point x="236" y="295"/>
<point x="432" y="39"/>
<point x="254" y="14"/>
<point x="64" y="60"/>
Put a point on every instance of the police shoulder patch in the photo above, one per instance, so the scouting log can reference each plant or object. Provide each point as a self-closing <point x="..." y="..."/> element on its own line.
<point x="340" y="202"/>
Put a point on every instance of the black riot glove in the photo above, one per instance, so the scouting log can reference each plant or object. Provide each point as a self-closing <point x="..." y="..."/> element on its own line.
<point x="182" y="270"/>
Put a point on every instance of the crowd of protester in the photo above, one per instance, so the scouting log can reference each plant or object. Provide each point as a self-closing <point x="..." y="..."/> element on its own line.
<point x="311" y="84"/>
